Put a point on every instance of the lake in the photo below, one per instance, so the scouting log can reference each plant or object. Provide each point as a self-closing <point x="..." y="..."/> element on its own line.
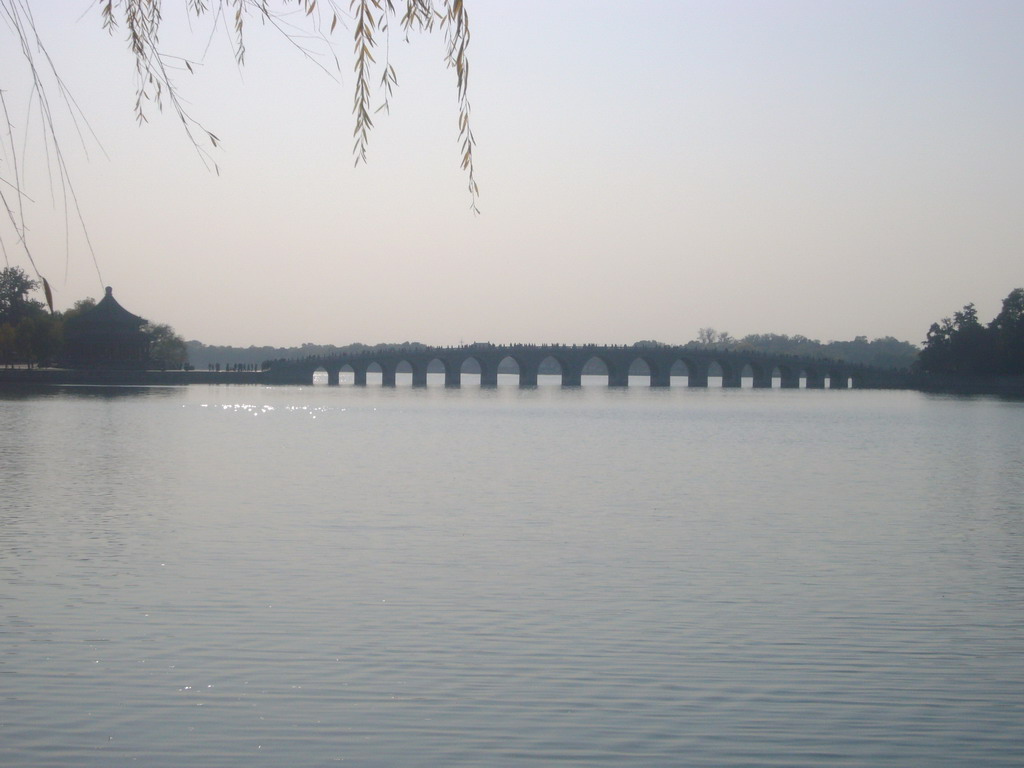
<point x="313" y="576"/>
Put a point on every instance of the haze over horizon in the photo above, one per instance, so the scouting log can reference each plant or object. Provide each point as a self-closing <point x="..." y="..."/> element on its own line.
<point x="830" y="170"/>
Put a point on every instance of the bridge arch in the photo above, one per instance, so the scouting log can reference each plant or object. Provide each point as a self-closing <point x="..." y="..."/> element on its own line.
<point x="718" y="374"/>
<point x="470" y="371"/>
<point x="640" y="367"/>
<point x="373" y="374"/>
<point x="438" y="370"/>
<point x="546" y="369"/>
<point x="503" y="369"/>
<point x="692" y="368"/>
<point x="745" y="374"/>
<point x="678" y="370"/>
<point x="594" y="370"/>
<point x="346" y="375"/>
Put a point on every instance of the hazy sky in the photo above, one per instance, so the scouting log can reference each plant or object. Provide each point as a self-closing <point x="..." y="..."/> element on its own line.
<point x="646" y="168"/>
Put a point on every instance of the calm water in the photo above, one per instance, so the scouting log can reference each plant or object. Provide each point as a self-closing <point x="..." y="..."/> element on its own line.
<point x="310" y="576"/>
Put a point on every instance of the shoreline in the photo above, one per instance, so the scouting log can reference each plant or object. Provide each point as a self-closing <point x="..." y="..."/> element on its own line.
<point x="944" y="384"/>
<point x="113" y="378"/>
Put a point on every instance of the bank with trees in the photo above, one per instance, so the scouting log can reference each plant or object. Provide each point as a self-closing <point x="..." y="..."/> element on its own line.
<point x="962" y="354"/>
<point x="31" y="335"/>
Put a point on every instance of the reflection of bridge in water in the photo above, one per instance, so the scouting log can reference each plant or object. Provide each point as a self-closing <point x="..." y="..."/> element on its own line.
<point x="661" y="364"/>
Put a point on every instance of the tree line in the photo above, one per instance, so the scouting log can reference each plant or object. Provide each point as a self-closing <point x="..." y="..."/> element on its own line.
<point x="884" y="352"/>
<point x="961" y="345"/>
<point x="32" y="335"/>
<point x="205" y="355"/>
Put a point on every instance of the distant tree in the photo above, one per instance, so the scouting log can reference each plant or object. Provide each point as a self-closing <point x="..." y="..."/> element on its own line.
<point x="23" y="333"/>
<point x="1007" y="331"/>
<point x="936" y="356"/>
<point x="955" y="345"/>
<point x="709" y="337"/>
<point x="886" y="352"/>
<point x="15" y="305"/>
<point x="48" y="338"/>
<point x="166" y="348"/>
<point x="82" y="305"/>
<point x="37" y="340"/>
<point x="961" y="345"/>
<point x="781" y="344"/>
<point x="972" y="344"/>
<point x="7" y="344"/>
<point x="706" y="336"/>
<point x="28" y="334"/>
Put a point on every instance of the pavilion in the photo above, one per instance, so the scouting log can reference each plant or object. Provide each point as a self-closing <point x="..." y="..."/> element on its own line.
<point x="106" y="336"/>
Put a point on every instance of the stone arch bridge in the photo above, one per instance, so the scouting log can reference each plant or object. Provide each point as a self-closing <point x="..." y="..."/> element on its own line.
<point x="660" y="363"/>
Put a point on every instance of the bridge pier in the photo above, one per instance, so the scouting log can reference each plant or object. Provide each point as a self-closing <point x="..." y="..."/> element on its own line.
<point x="697" y="379"/>
<point x="333" y="378"/>
<point x="572" y="377"/>
<point x="452" y="377"/>
<point x="387" y="376"/>
<point x="838" y="381"/>
<point x="527" y="377"/>
<point x="359" y="377"/>
<point x="618" y="378"/>
<point x="731" y="380"/>
<point x="815" y="380"/>
<point x="790" y="379"/>
<point x="762" y="379"/>
<point x="488" y="376"/>
<point x="419" y="376"/>
<point x="659" y="379"/>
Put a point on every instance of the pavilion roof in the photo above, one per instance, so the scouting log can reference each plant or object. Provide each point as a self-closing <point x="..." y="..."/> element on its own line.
<point x="108" y="313"/>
